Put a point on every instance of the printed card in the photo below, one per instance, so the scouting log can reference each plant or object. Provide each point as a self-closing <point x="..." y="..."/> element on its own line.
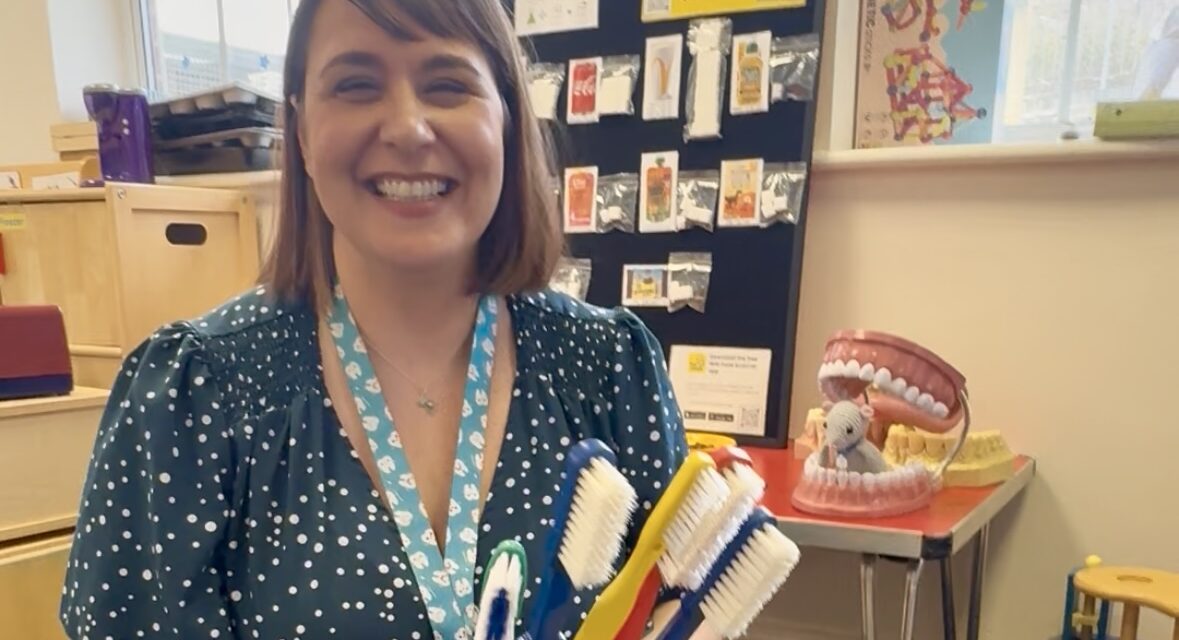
<point x="585" y="81"/>
<point x="581" y="201"/>
<point x="740" y="193"/>
<point x="644" y="285"/>
<point x="661" y="86"/>
<point x="750" y="84"/>
<point x="657" y="191"/>
<point x="9" y="180"/>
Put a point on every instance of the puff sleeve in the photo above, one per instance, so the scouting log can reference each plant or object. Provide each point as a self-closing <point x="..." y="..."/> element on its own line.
<point x="147" y="554"/>
<point x="648" y="427"/>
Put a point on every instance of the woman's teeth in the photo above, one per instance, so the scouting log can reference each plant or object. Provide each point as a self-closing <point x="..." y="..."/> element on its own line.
<point x="411" y="190"/>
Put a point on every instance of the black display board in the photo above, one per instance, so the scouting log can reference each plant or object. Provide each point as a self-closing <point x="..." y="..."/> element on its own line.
<point x="753" y="300"/>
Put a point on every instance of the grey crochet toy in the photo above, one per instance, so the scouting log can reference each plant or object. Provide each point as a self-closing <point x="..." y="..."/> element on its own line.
<point x="843" y="435"/>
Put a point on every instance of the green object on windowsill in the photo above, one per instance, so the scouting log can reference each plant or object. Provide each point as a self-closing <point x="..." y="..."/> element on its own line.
<point x="1137" y="120"/>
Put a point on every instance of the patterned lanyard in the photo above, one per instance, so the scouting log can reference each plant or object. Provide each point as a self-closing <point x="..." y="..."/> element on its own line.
<point x="446" y="583"/>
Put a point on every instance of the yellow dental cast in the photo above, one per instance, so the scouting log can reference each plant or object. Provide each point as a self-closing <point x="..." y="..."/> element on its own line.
<point x="984" y="459"/>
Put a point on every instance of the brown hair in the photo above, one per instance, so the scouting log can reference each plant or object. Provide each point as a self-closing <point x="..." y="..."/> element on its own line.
<point x="520" y="247"/>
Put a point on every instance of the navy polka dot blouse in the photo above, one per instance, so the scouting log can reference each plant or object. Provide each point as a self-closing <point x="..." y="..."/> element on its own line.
<point x="223" y="499"/>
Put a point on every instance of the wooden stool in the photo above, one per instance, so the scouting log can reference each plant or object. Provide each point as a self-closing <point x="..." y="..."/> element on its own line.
<point x="1133" y="588"/>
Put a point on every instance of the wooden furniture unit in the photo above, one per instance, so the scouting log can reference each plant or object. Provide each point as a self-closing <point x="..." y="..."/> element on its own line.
<point x="125" y="259"/>
<point x="31" y="576"/>
<point x="45" y="446"/>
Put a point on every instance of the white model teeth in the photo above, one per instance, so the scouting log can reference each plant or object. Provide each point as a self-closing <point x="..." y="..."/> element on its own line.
<point x="411" y="189"/>
<point x="898" y="387"/>
<point x="883" y="379"/>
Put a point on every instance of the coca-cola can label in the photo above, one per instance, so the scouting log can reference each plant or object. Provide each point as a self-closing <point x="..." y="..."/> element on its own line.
<point x="583" y="90"/>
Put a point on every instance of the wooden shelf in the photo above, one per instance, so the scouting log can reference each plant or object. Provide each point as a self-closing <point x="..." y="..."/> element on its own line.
<point x="18" y="196"/>
<point x="81" y="398"/>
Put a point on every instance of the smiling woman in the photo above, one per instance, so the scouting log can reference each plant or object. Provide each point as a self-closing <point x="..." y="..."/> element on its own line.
<point x="257" y="474"/>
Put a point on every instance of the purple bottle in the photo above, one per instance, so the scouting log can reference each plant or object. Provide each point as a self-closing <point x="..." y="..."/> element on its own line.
<point x="124" y="132"/>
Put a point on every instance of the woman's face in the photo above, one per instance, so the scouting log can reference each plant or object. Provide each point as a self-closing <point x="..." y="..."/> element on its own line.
<point x="403" y="140"/>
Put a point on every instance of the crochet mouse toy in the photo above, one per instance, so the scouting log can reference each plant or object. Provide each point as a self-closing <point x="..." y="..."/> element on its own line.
<point x="844" y="430"/>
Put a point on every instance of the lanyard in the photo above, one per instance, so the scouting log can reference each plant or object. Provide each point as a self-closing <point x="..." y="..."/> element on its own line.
<point x="447" y="584"/>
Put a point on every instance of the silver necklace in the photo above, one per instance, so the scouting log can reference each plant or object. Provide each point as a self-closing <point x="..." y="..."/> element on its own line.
<point x="424" y="402"/>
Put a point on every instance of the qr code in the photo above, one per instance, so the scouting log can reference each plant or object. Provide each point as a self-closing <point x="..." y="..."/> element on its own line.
<point x="750" y="419"/>
<point x="658" y="5"/>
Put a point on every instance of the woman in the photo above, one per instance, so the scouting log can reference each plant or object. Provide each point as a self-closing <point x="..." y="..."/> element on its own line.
<point x="248" y="480"/>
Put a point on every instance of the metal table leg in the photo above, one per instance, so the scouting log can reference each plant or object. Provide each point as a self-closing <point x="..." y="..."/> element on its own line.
<point x="909" y="615"/>
<point x="976" y="584"/>
<point x="867" y="597"/>
<point x="949" y="624"/>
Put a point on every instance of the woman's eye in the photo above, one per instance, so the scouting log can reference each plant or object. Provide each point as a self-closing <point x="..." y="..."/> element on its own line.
<point x="447" y="86"/>
<point x="355" y="86"/>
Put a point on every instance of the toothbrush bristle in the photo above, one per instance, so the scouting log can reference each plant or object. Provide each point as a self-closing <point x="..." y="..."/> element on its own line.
<point x="759" y="569"/>
<point x="717" y="505"/>
<point x="599" y="515"/>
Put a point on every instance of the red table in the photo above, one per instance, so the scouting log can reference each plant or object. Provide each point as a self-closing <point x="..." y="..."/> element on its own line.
<point x="956" y="516"/>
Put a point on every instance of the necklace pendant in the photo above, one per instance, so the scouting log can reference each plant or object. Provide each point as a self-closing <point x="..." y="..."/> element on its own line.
<point x="426" y="404"/>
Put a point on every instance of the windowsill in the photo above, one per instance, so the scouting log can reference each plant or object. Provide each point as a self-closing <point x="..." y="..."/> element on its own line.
<point x="958" y="156"/>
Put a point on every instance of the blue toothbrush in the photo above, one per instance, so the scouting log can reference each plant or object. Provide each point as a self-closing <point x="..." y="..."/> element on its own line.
<point x="591" y="516"/>
<point x="746" y="575"/>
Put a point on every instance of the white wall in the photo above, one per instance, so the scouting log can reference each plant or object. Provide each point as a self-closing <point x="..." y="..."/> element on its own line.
<point x="93" y="42"/>
<point x="1055" y="289"/>
<point x="49" y="50"/>
<point x="28" y="103"/>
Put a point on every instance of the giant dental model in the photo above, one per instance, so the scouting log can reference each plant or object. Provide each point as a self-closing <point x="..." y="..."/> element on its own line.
<point x="903" y="383"/>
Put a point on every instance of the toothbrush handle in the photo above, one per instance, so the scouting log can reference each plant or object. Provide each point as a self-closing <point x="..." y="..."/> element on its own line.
<point x="636" y="623"/>
<point x="684" y="624"/>
<point x="554" y="607"/>
<point x="687" y="619"/>
<point x="614" y="605"/>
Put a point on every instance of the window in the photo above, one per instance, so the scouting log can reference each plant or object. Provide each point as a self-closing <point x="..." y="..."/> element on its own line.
<point x="1065" y="56"/>
<point x="194" y="45"/>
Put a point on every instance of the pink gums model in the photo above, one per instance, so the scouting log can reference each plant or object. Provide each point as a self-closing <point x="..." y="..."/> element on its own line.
<point x="899" y="382"/>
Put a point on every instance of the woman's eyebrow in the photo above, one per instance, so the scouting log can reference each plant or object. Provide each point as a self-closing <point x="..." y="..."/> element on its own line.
<point x="352" y="59"/>
<point x="449" y="62"/>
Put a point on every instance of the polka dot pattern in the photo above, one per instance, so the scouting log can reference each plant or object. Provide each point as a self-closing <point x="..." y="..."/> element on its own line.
<point x="223" y="499"/>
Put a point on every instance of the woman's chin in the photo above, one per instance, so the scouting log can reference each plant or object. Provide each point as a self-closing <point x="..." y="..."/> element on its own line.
<point x="421" y="256"/>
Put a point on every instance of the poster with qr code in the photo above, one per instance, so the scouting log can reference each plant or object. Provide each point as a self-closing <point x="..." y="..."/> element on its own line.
<point x="722" y="389"/>
<point x="656" y="10"/>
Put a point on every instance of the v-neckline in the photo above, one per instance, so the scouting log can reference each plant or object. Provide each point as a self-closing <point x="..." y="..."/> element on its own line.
<point x="377" y="490"/>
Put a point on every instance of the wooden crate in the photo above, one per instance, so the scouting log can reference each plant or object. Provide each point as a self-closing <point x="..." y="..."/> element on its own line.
<point x="74" y="137"/>
<point x="46" y="445"/>
<point x="123" y="260"/>
<point x="31" y="577"/>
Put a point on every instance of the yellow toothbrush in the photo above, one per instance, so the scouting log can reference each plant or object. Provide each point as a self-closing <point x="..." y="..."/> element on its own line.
<point x="695" y="486"/>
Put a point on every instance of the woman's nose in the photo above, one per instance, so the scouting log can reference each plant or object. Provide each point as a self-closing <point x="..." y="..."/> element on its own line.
<point x="405" y="122"/>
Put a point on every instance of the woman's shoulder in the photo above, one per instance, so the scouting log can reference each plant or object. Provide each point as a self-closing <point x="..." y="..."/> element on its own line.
<point x="573" y="334"/>
<point x="249" y="310"/>
<point x="560" y="315"/>
<point x="243" y="336"/>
